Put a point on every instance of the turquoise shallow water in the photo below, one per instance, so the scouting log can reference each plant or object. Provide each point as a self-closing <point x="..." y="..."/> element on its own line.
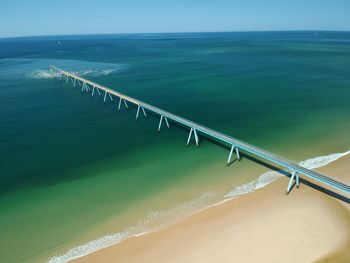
<point x="73" y="169"/>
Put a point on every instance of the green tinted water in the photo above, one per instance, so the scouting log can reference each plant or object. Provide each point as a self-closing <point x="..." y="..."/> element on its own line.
<point x="73" y="169"/>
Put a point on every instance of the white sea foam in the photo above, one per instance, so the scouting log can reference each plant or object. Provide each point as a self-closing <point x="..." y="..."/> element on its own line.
<point x="152" y="222"/>
<point x="45" y="74"/>
<point x="158" y="219"/>
<point x="95" y="72"/>
<point x="39" y="68"/>
<point x="39" y="74"/>
<point x="260" y="182"/>
<point x="269" y="177"/>
<point x="320" y="161"/>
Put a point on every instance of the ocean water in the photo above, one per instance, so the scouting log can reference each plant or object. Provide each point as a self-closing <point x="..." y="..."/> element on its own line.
<point x="73" y="170"/>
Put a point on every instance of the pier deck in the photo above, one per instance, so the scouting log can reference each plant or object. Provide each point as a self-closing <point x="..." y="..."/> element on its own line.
<point x="236" y="145"/>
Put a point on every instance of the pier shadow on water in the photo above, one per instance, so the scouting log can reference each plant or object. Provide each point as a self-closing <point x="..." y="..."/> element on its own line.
<point x="302" y="180"/>
<point x="258" y="161"/>
<point x="132" y="108"/>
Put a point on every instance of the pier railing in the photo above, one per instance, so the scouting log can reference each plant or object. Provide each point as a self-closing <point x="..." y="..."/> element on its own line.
<point x="235" y="145"/>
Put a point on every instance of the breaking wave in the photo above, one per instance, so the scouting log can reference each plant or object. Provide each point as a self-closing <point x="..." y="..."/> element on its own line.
<point x="95" y="72"/>
<point x="39" y="74"/>
<point x="158" y="219"/>
<point x="269" y="177"/>
<point x="26" y="68"/>
<point x="152" y="222"/>
<point x="45" y="73"/>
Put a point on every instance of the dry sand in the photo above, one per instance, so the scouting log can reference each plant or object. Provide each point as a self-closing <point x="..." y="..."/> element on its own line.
<point x="265" y="226"/>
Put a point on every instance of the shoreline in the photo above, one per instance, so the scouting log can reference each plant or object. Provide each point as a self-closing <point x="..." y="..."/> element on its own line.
<point x="275" y="189"/>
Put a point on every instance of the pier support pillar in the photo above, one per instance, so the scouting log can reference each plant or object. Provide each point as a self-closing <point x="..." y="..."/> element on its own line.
<point x="120" y="103"/>
<point x="297" y="180"/>
<point x="237" y="154"/>
<point x="104" y="99"/>
<point x="93" y="91"/>
<point x="233" y="148"/>
<point x="110" y="96"/>
<point x="98" y="91"/>
<point x="74" y="82"/>
<point x="138" y="111"/>
<point x="295" y="176"/>
<point x="67" y="78"/>
<point x="161" y="120"/>
<point x="83" y="87"/>
<point x="195" y="137"/>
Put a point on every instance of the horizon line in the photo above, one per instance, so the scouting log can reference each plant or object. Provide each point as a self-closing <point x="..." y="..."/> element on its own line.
<point x="175" y="32"/>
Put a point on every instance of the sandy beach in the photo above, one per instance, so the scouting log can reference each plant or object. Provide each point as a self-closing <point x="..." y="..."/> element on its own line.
<point x="264" y="226"/>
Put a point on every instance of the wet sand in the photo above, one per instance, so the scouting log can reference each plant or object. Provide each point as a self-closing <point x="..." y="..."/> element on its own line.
<point x="264" y="226"/>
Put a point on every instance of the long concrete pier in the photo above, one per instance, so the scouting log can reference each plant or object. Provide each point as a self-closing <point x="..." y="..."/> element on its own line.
<point x="236" y="145"/>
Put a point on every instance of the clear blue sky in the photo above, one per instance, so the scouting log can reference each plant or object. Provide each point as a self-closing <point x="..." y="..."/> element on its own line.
<point x="51" y="17"/>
